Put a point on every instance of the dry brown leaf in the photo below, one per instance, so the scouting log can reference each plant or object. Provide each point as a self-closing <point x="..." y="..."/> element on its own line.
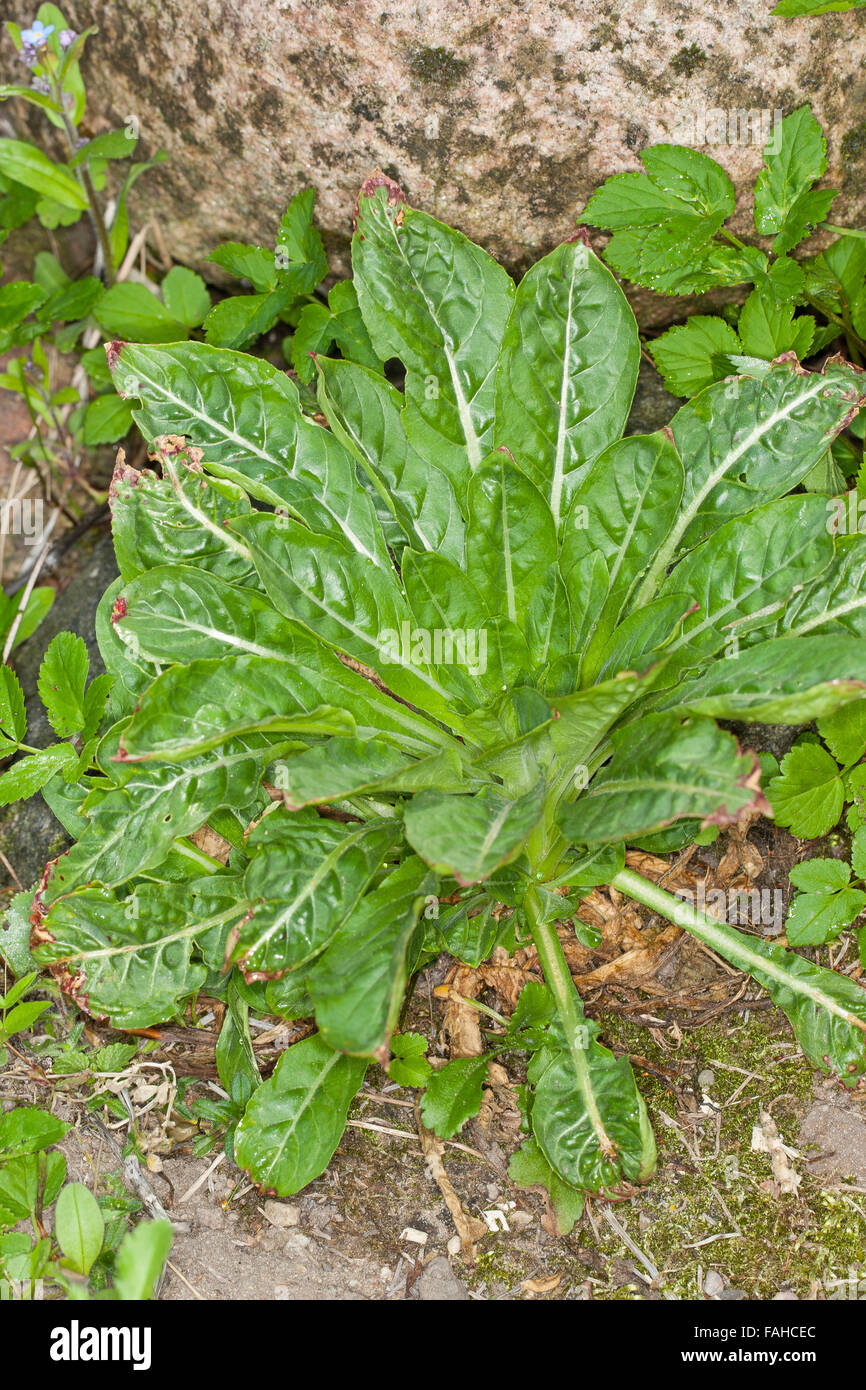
<point x="468" y="1228"/>
<point x="631" y="965"/>
<point x="209" y="842"/>
<point x="767" y="1139"/>
<point x="461" y="1023"/>
<point x="546" y="1285"/>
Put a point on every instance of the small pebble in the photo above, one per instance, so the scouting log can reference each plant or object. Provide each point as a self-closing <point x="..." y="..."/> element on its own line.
<point x="713" y="1284"/>
<point x="416" y="1237"/>
<point x="454" y="1246"/>
<point x="785" y="1296"/>
<point x="706" y="1078"/>
<point x="281" y="1213"/>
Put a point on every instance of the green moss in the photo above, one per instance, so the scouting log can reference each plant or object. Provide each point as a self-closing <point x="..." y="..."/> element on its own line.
<point x="854" y="142"/>
<point x="688" y="60"/>
<point x="710" y="1183"/>
<point x="438" y="66"/>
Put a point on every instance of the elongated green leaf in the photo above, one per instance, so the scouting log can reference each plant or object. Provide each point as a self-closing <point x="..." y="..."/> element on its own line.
<point x="357" y="986"/>
<point x="364" y="411"/>
<point x="324" y="584"/>
<point x="78" y="1226"/>
<point x="624" y="509"/>
<point x="305" y="878"/>
<point x="662" y="771"/>
<point x="344" y="767"/>
<point x="140" y="1259"/>
<point x="126" y="961"/>
<point x="567" y="371"/>
<point x="25" y="163"/>
<point x="746" y="442"/>
<point x="245" y="694"/>
<point x="294" y="1121"/>
<point x="510" y="540"/>
<point x="246" y="416"/>
<point x="750" y="564"/>
<point x="439" y="303"/>
<point x="132" y="825"/>
<point x="179" y="614"/>
<point x="176" y="519"/>
<point x="470" y="836"/>
<point x="475" y="655"/>
<point x="834" y="603"/>
<point x="784" y="681"/>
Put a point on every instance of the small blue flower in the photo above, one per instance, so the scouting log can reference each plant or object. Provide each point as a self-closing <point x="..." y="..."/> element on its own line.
<point x="38" y="35"/>
<point x="40" y="84"/>
<point x="67" y="38"/>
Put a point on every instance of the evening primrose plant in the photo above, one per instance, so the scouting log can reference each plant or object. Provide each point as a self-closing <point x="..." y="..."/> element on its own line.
<point x="458" y="643"/>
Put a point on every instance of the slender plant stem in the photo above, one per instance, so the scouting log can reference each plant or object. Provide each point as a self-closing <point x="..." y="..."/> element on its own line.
<point x="87" y="183"/>
<point x="724" y="939"/>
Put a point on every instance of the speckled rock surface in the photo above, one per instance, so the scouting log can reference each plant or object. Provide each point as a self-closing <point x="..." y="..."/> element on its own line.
<point x="501" y="119"/>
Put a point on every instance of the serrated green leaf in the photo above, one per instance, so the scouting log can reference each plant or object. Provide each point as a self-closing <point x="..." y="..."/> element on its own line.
<point x="13" y="720"/>
<point x="794" y="158"/>
<point x="815" y="918"/>
<point x="186" y="296"/>
<point x="809" y="795"/>
<point x="25" y="777"/>
<point x="692" y="356"/>
<point x="454" y="1094"/>
<point x="62" y="679"/>
<point x="845" y="732"/>
<point x="820" y="875"/>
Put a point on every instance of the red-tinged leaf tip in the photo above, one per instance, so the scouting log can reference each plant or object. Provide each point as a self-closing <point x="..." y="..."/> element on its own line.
<point x="123" y="476"/>
<point x="119" y="609"/>
<point x="837" y="360"/>
<point x="112" y="352"/>
<point x="396" y="196"/>
<point x="790" y="359"/>
<point x="581" y="235"/>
